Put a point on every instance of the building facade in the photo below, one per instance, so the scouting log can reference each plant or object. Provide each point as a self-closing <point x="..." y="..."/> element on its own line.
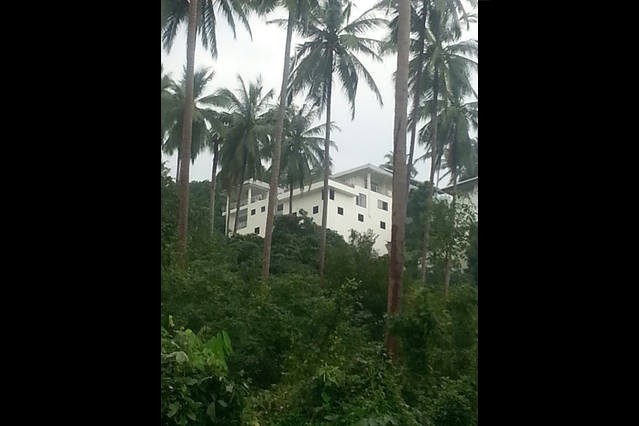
<point x="359" y="199"/>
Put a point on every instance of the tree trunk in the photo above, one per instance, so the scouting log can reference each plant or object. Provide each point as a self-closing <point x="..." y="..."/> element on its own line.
<point x="326" y="172"/>
<point x="277" y="147"/>
<point x="183" y="213"/>
<point x="290" y="200"/>
<point x="228" y="212"/>
<point x="447" y="266"/>
<point x="213" y="185"/>
<point x="433" y="166"/>
<point x="239" y="195"/>
<point x="177" y="173"/>
<point x="400" y="187"/>
<point x="418" y="87"/>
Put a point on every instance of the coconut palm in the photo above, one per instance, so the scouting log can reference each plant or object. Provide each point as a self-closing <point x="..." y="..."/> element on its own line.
<point x="449" y="63"/>
<point x="332" y="44"/>
<point x="248" y="131"/>
<point x="400" y="177"/>
<point x="457" y="120"/>
<point x="200" y="17"/>
<point x="302" y="151"/>
<point x="174" y="115"/>
<point x="298" y="11"/>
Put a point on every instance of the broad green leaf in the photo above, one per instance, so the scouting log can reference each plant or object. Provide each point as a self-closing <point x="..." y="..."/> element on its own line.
<point x="210" y="410"/>
<point x="173" y="407"/>
<point x="181" y="357"/>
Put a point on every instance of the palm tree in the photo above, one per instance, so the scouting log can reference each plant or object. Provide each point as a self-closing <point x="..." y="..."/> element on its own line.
<point x="298" y="10"/>
<point x="217" y="134"/>
<point x="388" y="165"/>
<point x="332" y="45"/>
<point x="419" y="13"/>
<point x="166" y="104"/>
<point x="249" y="128"/>
<point x="400" y="186"/>
<point x="457" y="119"/>
<point x="302" y="152"/>
<point x="448" y="63"/>
<point x="174" y="115"/>
<point x="173" y="14"/>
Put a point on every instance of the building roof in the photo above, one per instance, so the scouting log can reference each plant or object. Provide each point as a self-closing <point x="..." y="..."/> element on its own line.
<point x="369" y="166"/>
<point x="463" y="182"/>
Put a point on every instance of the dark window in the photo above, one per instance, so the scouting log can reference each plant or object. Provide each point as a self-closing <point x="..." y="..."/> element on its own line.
<point x="257" y="230"/>
<point x="252" y="212"/>
<point x="360" y="217"/>
<point x="331" y="194"/>
<point x="263" y="209"/>
<point x="340" y="211"/>
<point x="382" y="225"/>
<point x="315" y="209"/>
<point x="280" y="207"/>
<point x="382" y="205"/>
<point x="360" y="200"/>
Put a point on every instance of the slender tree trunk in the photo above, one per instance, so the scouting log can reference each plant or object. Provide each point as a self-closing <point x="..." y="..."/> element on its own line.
<point x="177" y="173"/>
<point x="400" y="187"/>
<point x="290" y="200"/>
<point x="433" y="166"/>
<point x="239" y="195"/>
<point x="447" y="265"/>
<point x="213" y="185"/>
<point x="327" y="140"/>
<point x="418" y="88"/>
<point x="277" y="147"/>
<point x="228" y="212"/>
<point x="183" y="213"/>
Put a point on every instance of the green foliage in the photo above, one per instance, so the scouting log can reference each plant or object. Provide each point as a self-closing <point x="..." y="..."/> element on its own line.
<point x="303" y="354"/>
<point x="449" y="232"/>
<point x="196" y="388"/>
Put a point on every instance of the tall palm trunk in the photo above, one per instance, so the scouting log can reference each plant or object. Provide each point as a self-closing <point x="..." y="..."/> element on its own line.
<point x="447" y="265"/>
<point x="228" y="212"/>
<point x="290" y="199"/>
<point x="213" y="185"/>
<point x="239" y="195"/>
<point x="433" y="166"/>
<point x="177" y="174"/>
<point x="275" y="168"/>
<point x="418" y="87"/>
<point x="326" y="172"/>
<point x="183" y="187"/>
<point x="400" y="187"/>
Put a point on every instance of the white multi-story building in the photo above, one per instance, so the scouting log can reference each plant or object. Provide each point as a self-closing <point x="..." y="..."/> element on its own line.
<point x="359" y="199"/>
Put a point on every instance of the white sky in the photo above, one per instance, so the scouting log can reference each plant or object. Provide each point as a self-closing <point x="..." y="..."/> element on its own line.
<point x="366" y="139"/>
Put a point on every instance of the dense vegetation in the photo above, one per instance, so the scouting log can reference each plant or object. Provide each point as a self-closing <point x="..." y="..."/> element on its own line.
<point x="290" y="352"/>
<point x="303" y="327"/>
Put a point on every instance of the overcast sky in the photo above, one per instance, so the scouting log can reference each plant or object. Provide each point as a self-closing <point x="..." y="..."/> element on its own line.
<point x="366" y="139"/>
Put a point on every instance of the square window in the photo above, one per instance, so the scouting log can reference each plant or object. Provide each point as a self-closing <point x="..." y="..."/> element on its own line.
<point x="252" y="212"/>
<point x="382" y="205"/>
<point x="280" y="207"/>
<point x="263" y="209"/>
<point x="257" y="230"/>
<point x="360" y="217"/>
<point x="315" y="209"/>
<point x="382" y="225"/>
<point x="340" y="211"/>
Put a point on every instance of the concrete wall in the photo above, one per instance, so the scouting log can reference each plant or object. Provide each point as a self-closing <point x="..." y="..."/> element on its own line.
<point x="342" y="224"/>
